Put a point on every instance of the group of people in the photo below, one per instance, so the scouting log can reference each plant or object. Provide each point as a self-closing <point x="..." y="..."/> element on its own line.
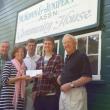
<point x="61" y="86"/>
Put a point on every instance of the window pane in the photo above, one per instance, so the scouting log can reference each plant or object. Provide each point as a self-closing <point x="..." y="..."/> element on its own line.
<point x="56" y="47"/>
<point x="94" y="64"/>
<point x="40" y="50"/>
<point x="93" y="44"/>
<point x="90" y="44"/>
<point x="82" y="44"/>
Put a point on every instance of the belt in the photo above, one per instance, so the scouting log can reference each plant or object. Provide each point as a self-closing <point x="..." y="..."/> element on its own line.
<point x="49" y="94"/>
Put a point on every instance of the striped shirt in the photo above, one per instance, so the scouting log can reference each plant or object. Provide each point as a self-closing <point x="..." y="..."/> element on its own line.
<point x="7" y="90"/>
<point x="51" y="70"/>
<point x="2" y="64"/>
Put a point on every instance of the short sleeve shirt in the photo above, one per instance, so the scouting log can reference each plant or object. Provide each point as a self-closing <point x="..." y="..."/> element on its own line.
<point x="76" y="65"/>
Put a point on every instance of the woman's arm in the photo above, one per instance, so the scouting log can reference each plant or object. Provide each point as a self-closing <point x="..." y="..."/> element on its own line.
<point x="16" y="78"/>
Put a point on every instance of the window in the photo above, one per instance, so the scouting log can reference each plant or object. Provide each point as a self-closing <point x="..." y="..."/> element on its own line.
<point x="90" y="44"/>
<point x="39" y="49"/>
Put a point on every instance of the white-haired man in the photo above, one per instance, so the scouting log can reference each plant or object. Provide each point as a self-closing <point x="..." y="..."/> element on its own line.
<point x="76" y="73"/>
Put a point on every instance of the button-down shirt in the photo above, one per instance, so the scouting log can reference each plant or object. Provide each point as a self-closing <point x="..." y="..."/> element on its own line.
<point x="76" y="65"/>
<point x="30" y="62"/>
<point x="50" y="71"/>
<point x="2" y="64"/>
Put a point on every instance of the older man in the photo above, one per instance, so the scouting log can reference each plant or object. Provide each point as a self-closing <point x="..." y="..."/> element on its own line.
<point x="76" y="73"/>
<point x="4" y="49"/>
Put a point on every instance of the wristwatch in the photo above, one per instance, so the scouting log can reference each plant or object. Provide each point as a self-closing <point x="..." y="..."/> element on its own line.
<point x="72" y="85"/>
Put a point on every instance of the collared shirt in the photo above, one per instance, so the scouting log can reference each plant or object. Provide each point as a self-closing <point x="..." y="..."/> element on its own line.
<point x="30" y="62"/>
<point x="2" y="64"/>
<point x="50" y="71"/>
<point x="76" y="65"/>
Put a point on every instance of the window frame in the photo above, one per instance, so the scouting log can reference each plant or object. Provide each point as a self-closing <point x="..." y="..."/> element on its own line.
<point x="98" y="76"/>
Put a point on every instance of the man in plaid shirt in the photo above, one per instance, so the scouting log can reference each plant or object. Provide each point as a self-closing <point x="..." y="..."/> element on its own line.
<point x="45" y="88"/>
<point x="4" y="48"/>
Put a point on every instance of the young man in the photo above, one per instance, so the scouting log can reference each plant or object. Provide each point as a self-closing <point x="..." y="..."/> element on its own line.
<point x="45" y="88"/>
<point x="31" y="58"/>
<point x="30" y="62"/>
<point x="76" y="73"/>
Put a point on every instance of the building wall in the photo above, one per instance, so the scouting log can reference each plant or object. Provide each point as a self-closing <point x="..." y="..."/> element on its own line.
<point x="98" y="91"/>
<point x="8" y="17"/>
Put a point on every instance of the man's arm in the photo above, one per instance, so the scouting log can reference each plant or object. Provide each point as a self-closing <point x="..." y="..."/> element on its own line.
<point x="81" y="81"/>
<point x="76" y="83"/>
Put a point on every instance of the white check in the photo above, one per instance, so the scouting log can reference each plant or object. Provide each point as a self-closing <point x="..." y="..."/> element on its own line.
<point x="33" y="73"/>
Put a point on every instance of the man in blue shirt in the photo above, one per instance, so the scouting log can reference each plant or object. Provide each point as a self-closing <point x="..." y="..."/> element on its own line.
<point x="76" y="73"/>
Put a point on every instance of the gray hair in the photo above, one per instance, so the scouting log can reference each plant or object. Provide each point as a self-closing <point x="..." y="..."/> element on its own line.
<point x="5" y="42"/>
<point x="69" y="36"/>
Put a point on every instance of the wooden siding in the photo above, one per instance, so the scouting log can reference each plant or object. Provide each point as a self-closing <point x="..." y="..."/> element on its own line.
<point x="99" y="94"/>
<point x="106" y="42"/>
<point x="8" y="17"/>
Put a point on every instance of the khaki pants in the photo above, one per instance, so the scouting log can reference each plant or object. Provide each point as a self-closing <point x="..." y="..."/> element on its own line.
<point x="75" y="99"/>
<point x="29" y="101"/>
